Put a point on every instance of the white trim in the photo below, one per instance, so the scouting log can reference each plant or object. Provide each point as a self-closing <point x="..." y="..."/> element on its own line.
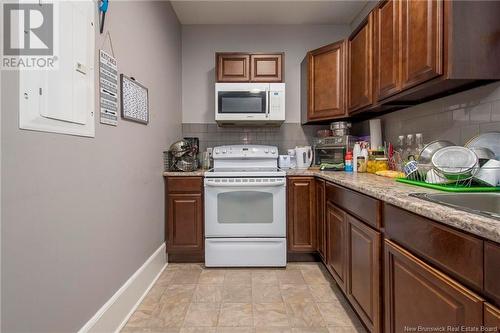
<point x="114" y="314"/>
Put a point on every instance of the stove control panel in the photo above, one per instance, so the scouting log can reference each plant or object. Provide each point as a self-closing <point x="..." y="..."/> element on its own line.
<point x="245" y="152"/>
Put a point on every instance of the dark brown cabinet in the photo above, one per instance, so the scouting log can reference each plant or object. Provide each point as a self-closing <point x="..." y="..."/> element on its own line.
<point x="232" y="67"/>
<point x="323" y="85"/>
<point x="360" y="59"/>
<point x="301" y="215"/>
<point x="491" y="317"/>
<point x="492" y="271"/>
<point x="336" y="256"/>
<point x="320" y="218"/>
<point x="422" y="41"/>
<point x="184" y="214"/>
<point x="245" y="67"/>
<point x="266" y="67"/>
<point x="418" y="295"/>
<point x="386" y="49"/>
<point x="363" y="273"/>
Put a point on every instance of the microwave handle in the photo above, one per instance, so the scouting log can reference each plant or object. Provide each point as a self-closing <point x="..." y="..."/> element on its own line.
<point x="268" y="95"/>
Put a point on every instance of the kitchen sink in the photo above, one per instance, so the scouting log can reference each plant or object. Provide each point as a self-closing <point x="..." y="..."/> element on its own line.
<point x="487" y="204"/>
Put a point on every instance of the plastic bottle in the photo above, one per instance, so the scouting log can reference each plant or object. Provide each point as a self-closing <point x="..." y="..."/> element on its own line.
<point x="348" y="162"/>
<point x="355" y="153"/>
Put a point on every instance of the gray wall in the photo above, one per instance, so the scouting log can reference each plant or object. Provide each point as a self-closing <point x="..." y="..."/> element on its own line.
<point x="200" y="42"/>
<point x="456" y="118"/>
<point x="81" y="215"/>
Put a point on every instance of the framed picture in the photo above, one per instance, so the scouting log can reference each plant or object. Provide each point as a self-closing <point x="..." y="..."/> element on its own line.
<point x="134" y="100"/>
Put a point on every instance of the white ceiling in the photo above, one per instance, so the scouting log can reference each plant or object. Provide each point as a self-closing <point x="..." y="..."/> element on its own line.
<point x="267" y="11"/>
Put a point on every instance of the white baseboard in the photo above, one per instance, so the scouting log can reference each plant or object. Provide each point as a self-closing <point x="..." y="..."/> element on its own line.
<point x="114" y="314"/>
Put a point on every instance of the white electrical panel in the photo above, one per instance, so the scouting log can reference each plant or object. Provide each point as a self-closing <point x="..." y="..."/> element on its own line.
<point x="62" y="100"/>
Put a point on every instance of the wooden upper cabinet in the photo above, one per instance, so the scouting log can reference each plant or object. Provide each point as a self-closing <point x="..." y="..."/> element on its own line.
<point x="418" y="295"/>
<point x="386" y="49"/>
<point x="336" y="240"/>
<point x="301" y="219"/>
<point x="233" y="67"/>
<point x="422" y="41"/>
<point x="245" y="67"/>
<point x="359" y="87"/>
<point x="326" y="67"/>
<point x="266" y="67"/>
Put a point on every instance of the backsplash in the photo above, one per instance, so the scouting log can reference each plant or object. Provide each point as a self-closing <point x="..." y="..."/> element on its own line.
<point x="286" y="136"/>
<point x="456" y="118"/>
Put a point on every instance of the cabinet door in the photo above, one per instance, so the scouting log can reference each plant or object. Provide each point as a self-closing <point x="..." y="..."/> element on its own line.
<point x="360" y="89"/>
<point x="326" y="82"/>
<point x="320" y="218"/>
<point x="387" y="58"/>
<point x="233" y="67"/>
<point x="492" y="271"/>
<point x="336" y="257"/>
<point x="363" y="278"/>
<point x="185" y="223"/>
<point x="491" y="316"/>
<point x="301" y="215"/>
<point x="418" y="295"/>
<point x="422" y="40"/>
<point x="266" y="67"/>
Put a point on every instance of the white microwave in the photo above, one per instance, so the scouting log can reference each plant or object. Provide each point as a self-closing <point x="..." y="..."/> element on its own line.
<point x="249" y="103"/>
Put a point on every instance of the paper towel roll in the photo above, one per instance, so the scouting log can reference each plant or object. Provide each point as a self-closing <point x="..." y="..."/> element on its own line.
<point x="375" y="133"/>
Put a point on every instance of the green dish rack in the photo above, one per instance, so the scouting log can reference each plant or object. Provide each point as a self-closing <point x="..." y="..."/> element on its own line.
<point x="450" y="187"/>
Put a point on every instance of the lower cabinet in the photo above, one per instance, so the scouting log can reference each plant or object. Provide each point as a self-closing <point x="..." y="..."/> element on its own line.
<point x="417" y="295"/>
<point x="320" y="218"/>
<point x="184" y="214"/>
<point x="301" y="215"/>
<point x="491" y="317"/>
<point x="336" y="256"/>
<point x="363" y="272"/>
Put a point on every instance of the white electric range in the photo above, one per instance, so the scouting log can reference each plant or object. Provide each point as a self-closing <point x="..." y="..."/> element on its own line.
<point x="245" y="208"/>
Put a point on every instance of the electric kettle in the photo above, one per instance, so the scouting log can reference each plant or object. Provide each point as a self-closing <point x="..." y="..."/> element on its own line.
<point x="304" y="157"/>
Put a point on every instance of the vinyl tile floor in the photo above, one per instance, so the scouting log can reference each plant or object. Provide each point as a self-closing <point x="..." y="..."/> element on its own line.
<point x="189" y="298"/>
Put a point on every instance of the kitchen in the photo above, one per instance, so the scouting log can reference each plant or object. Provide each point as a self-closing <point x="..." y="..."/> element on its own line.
<point x="258" y="238"/>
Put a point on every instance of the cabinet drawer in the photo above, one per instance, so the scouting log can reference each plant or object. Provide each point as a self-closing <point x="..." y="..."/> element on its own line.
<point x="359" y="205"/>
<point x="457" y="253"/>
<point x="492" y="271"/>
<point x="184" y="184"/>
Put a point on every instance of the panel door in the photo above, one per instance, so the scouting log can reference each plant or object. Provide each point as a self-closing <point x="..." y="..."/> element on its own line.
<point x="336" y="257"/>
<point x="320" y="218"/>
<point x="326" y="82"/>
<point x="233" y="67"/>
<point x="418" y="295"/>
<point x="301" y="215"/>
<point x="363" y="278"/>
<point x="185" y="223"/>
<point x="266" y="67"/>
<point x="387" y="47"/>
<point x="360" y="89"/>
<point x="422" y="41"/>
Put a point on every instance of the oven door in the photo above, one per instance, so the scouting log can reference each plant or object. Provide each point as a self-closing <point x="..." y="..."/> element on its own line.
<point x="245" y="207"/>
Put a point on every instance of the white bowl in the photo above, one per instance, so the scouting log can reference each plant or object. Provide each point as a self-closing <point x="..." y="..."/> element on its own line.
<point x="489" y="174"/>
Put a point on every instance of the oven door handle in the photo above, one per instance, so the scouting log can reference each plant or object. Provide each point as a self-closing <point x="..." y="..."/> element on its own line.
<point x="240" y="184"/>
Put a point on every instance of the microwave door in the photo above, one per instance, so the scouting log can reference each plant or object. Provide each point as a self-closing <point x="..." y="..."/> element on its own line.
<point x="242" y="102"/>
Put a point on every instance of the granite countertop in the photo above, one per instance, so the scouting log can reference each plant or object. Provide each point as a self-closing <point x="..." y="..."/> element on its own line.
<point x="390" y="191"/>
<point x="397" y="194"/>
